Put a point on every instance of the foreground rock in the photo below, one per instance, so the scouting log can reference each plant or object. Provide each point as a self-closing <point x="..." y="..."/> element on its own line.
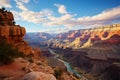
<point x="11" y="33"/>
<point x="32" y="61"/>
<point x="38" y="76"/>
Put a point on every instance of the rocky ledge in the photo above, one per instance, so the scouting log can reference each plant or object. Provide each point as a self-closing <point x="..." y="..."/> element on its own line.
<point x="14" y="36"/>
<point x="11" y="33"/>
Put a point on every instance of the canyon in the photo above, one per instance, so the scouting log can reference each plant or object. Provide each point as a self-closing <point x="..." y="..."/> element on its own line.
<point x="84" y="38"/>
<point x="26" y="62"/>
<point x="94" y="52"/>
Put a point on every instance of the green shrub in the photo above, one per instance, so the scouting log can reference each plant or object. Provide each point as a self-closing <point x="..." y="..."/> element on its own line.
<point x="30" y="58"/>
<point x="58" y="72"/>
<point x="3" y="8"/>
<point x="8" y="53"/>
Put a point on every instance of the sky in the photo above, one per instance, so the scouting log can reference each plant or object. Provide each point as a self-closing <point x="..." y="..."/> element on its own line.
<point x="57" y="16"/>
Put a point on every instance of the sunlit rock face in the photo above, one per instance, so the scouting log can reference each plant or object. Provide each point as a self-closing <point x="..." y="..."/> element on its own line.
<point x="6" y="18"/>
<point x="38" y="76"/>
<point x="12" y="33"/>
<point x="85" y="38"/>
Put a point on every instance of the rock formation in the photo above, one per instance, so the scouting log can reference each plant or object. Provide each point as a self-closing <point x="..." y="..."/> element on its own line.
<point x="33" y="66"/>
<point x="38" y="76"/>
<point x="84" y="38"/>
<point x="12" y="33"/>
<point x="6" y="18"/>
<point x="96" y="60"/>
<point x="94" y="51"/>
<point x="111" y="73"/>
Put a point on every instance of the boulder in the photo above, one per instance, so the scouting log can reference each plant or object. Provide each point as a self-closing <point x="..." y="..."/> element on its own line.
<point x="38" y="76"/>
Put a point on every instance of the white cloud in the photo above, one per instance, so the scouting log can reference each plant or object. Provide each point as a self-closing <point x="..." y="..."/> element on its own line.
<point x="5" y="3"/>
<point x="35" y="17"/>
<point x="24" y="1"/>
<point x="36" y="1"/>
<point x="57" y="30"/>
<point x="20" y="4"/>
<point x="106" y="17"/>
<point x="47" y="18"/>
<point x="102" y="18"/>
<point x="61" y="9"/>
<point x="31" y="16"/>
<point x="16" y="15"/>
<point x="57" y="21"/>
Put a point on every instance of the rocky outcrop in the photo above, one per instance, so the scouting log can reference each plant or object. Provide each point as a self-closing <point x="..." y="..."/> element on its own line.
<point x="33" y="66"/>
<point x="38" y="76"/>
<point x="6" y="18"/>
<point x="11" y="33"/>
<point x="14" y="36"/>
<point x="97" y="60"/>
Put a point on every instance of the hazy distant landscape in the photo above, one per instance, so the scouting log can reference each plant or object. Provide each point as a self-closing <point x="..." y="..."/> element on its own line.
<point x="91" y="50"/>
<point x="59" y="40"/>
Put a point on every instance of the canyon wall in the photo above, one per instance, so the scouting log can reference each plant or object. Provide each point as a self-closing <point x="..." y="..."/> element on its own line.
<point x="32" y="66"/>
<point x="85" y="38"/>
<point x="12" y="33"/>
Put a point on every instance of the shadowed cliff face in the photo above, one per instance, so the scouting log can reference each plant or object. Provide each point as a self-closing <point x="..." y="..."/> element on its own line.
<point x="92" y="50"/>
<point x="12" y="33"/>
<point x="111" y="73"/>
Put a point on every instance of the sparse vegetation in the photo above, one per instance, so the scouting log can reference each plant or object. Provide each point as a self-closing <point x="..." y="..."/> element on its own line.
<point x="8" y="53"/>
<point x="30" y="58"/>
<point x="0" y="18"/>
<point x="2" y="76"/>
<point x="3" y="8"/>
<point x="1" y="23"/>
<point x="58" y="72"/>
<point x="14" y="22"/>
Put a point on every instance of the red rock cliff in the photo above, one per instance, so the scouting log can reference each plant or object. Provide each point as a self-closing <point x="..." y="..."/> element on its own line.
<point x="12" y="33"/>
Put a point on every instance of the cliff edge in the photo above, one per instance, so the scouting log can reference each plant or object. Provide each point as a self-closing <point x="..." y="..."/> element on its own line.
<point x="11" y="33"/>
<point x="31" y="65"/>
<point x="31" y="61"/>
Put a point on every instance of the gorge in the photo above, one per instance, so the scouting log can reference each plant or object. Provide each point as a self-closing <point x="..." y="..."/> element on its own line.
<point x="68" y="66"/>
<point x="84" y="54"/>
<point x="93" y="51"/>
<point x="18" y="60"/>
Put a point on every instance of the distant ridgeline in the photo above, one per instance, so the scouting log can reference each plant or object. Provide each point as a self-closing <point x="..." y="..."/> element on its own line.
<point x="104" y="28"/>
<point x="90" y="36"/>
<point x="111" y="28"/>
<point x="87" y="37"/>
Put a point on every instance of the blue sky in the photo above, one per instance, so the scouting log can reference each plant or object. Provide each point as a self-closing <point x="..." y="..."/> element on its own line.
<point x="55" y="16"/>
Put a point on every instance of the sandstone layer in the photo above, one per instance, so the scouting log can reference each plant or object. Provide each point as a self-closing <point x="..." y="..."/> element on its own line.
<point x="11" y="33"/>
